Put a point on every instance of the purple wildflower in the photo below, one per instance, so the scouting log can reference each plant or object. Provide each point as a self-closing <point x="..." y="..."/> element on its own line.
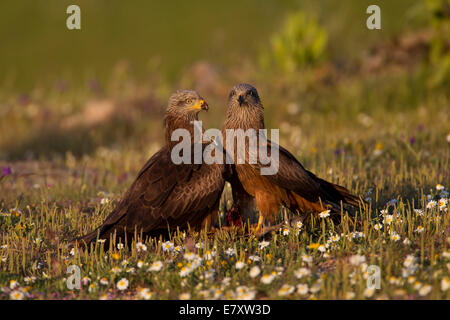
<point x="6" y="171"/>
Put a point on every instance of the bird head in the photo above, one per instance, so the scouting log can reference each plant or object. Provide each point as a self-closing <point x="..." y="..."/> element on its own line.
<point x="245" y="109"/>
<point x="186" y="102"/>
<point x="244" y="95"/>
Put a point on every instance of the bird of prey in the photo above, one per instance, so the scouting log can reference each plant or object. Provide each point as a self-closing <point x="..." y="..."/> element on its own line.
<point x="164" y="194"/>
<point x="291" y="186"/>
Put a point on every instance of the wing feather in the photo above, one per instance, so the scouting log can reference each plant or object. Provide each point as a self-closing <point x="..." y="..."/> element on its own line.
<point x="166" y="194"/>
<point x="291" y="175"/>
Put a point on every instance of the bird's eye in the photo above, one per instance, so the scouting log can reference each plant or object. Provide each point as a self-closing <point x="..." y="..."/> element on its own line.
<point x="251" y="93"/>
<point x="189" y="101"/>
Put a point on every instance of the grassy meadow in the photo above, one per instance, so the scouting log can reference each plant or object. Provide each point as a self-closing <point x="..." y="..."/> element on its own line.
<point x="80" y="113"/>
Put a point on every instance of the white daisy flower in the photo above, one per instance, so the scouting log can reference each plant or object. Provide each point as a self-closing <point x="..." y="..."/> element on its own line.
<point x="92" y="287"/>
<point x="141" y="247"/>
<point x="267" y="278"/>
<point x="443" y="204"/>
<point x="315" y="288"/>
<point x="185" y="296"/>
<point x="122" y="284"/>
<point x="395" y="236"/>
<point x="13" y="284"/>
<point x="409" y="261"/>
<point x="16" y="295"/>
<point x="263" y="244"/>
<point x="116" y="269"/>
<point x="349" y="295"/>
<point x="357" y="235"/>
<point x="145" y="294"/>
<point x="357" y="259"/>
<point x="184" y="271"/>
<point x="167" y="246"/>
<point x="199" y="245"/>
<point x="31" y="279"/>
<point x="388" y="219"/>
<point x="445" y="284"/>
<point x="140" y="264"/>
<point x="335" y="238"/>
<point x="226" y="281"/>
<point x="254" y="258"/>
<point x="254" y="272"/>
<point x="240" y="265"/>
<point x="425" y="290"/>
<point x="368" y="292"/>
<point x="285" y="290"/>
<point x="419" y="229"/>
<point x="325" y="214"/>
<point x="431" y="204"/>
<point x="177" y="249"/>
<point x="378" y="226"/>
<point x="230" y="252"/>
<point x="306" y="258"/>
<point x="302" y="289"/>
<point x="209" y="255"/>
<point x="156" y="266"/>
<point x="190" y="256"/>
<point x="417" y="285"/>
<point x="246" y="295"/>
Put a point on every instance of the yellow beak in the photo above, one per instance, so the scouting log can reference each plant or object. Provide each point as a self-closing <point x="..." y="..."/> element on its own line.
<point x="200" y="105"/>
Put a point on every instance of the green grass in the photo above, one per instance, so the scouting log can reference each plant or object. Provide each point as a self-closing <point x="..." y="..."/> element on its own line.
<point x="383" y="134"/>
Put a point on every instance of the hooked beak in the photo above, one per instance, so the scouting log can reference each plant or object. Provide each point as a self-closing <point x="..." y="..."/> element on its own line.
<point x="241" y="100"/>
<point x="202" y="105"/>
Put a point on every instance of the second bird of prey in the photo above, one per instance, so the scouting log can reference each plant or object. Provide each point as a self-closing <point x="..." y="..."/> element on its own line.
<point x="166" y="196"/>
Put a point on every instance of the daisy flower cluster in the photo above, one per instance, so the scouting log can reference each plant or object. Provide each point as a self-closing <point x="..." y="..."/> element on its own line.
<point x="302" y="260"/>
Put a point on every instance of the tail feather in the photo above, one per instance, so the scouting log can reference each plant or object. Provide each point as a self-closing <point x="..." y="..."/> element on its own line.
<point x="348" y="197"/>
<point x="336" y="193"/>
<point x="84" y="241"/>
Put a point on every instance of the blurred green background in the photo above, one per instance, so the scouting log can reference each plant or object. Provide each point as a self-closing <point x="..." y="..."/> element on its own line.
<point x="315" y="64"/>
<point x="36" y="46"/>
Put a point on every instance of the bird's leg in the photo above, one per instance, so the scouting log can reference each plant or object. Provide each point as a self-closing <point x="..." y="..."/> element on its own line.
<point x="260" y="226"/>
<point x="267" y="204"/>
<point x="208" y="222"/>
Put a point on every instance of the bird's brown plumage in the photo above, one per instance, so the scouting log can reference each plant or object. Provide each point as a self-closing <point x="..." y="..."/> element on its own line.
<point x="164" y="194"/>
<point x="292" y="185"/>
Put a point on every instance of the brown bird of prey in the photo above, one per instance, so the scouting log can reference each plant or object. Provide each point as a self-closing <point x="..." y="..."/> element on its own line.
<point x="291" y="186"/>
<point x="167" y="195"/>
